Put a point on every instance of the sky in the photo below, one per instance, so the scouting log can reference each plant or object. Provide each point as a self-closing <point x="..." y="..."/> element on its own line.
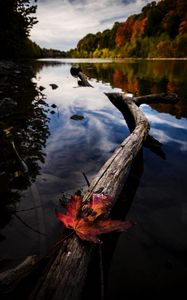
<point x="62" y="23"/>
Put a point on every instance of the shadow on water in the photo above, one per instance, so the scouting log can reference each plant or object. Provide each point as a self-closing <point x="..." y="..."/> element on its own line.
<point x="23" y="131"/>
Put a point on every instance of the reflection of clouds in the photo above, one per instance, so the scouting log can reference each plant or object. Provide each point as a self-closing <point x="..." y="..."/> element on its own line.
<point x="167" y="128"/>
<point x="165" y="138"/>
<point x="162" y="118"/>
<point x="76" y="146"/>
<point x="76" y="143"/>
<point x="66" y="93"/>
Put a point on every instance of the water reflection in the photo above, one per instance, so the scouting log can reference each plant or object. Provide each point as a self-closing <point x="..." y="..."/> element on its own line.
<point x="83" y="144"/>
<point x="146" y="77"/>
<point x="24" y="131"/>
<point x="56" y="161"/>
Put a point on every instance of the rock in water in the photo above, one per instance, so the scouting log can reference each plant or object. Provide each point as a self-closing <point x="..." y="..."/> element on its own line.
<point x="77" y="117"/>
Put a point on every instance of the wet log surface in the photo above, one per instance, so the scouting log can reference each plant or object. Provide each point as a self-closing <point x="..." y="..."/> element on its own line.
<point x="62" y="275"/>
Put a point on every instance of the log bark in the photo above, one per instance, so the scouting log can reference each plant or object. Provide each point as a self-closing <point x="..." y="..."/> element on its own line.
<point x="110" y="178"/>
<point x="64" y="276"/>
<point x="83" y="80"/>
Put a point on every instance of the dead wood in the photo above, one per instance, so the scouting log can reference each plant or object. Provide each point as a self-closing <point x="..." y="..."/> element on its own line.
<point x="77" y="72"/>
<point x="109" y="179"/>
<point x="168" y="98"/>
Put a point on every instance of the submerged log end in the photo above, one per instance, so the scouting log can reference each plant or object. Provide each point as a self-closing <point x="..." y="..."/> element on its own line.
<point x="77" y="72"/>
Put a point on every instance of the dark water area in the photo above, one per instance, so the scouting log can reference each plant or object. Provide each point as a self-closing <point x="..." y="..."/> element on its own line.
<point x="50" y="134"/>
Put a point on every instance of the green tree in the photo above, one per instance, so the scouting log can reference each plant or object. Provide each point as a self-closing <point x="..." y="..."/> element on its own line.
<point x="181" y="45"/>
<point x="88" y="43"/>
<point x="16" y="21"/>
<point x="170" y="23"/>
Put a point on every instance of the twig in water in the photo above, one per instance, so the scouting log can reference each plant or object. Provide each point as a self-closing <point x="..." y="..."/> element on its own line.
<point x="23" y="164"/>
<point x="85" y="177"/>
<point x="27" y="209"/>
<point x="28" y="226"/>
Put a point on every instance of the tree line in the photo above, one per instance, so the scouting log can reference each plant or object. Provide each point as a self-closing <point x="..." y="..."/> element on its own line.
<point x="16" y="20"/>
<point x="160" y="30"/>
<point x="17" y="17"/>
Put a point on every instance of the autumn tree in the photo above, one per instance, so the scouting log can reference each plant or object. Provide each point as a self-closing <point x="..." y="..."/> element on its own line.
<point x="158" y="31"/>
<point x="124" y="31"/>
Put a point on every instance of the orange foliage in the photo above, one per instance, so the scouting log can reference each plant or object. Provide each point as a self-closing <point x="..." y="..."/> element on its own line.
<point x="124" y="32"/>
<point x="171" y="87"/>
<point x="183" y="26"/>
<point x="132" y="86"/>
<point x="88" y="228"/>
<point x="138" y="28"/>
<point x="129" y="29"/>
<point x="126" y="84"/>
<point x="120" y="35"/>
<point x="118" y="78"/>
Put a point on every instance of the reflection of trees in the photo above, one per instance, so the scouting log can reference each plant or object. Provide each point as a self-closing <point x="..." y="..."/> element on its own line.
<point x="47" y="63"/>
<point x="28" y="131"/>
<point x="146" y="77"/>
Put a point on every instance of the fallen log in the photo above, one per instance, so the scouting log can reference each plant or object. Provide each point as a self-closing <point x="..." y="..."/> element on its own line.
<point x="65" y="277"/>
<point x="64" y="273"/>
<point x="110" y="177"/>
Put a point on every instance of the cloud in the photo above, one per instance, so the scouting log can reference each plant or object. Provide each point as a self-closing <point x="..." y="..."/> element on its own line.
<point x="63" y="23"/>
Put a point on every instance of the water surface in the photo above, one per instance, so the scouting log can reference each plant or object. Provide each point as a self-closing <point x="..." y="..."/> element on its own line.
<point x="150" y="259"/>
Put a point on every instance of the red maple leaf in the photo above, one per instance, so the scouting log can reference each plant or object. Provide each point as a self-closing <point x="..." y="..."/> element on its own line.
<point x="90" y="227"/>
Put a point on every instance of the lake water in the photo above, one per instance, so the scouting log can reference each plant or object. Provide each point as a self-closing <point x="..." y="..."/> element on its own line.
<point x="62" y="131"/>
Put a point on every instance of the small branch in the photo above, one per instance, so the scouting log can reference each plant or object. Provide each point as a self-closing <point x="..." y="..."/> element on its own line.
<point x="28" y="226"/>
<point x="27" y="209"/>
<point x="85" y="177"/>
<point x="168" y="98"/>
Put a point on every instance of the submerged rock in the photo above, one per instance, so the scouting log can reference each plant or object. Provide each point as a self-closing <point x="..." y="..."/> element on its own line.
<point x="54" y="86"/>
<point x="41" y="88"/>
<point x="53" y="106"/>
<point x="77" y="117"/>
